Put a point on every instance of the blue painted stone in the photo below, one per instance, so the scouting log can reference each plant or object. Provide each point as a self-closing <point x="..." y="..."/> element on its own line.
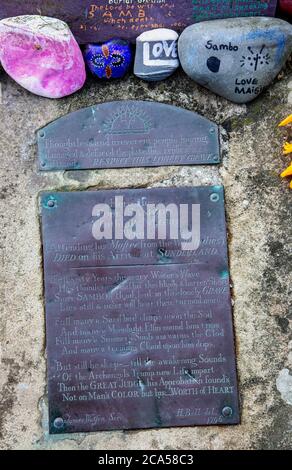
<point x="109" y="60"/>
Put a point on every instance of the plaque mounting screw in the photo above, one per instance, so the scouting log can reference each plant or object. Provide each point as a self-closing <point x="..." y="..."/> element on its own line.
<point x="214" y="197"/>
<point x="51" y="203"/>
<point x="58" y="423"/>
<point x="227" y="412"/>
<point x="42" y="134"/>
<point x="212" y="130"/>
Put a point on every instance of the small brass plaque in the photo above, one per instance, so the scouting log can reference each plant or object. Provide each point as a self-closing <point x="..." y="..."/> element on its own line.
<point x="124" y="134"/>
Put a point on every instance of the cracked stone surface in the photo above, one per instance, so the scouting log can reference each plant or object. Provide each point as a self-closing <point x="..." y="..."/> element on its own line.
<point x="259" y="220"/>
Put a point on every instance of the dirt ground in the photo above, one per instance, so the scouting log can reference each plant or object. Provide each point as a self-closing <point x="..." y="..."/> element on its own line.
<point x="258" y="206"/>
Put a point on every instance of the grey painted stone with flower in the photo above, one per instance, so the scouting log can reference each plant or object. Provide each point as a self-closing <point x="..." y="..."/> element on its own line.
<point x="237" y="57"/>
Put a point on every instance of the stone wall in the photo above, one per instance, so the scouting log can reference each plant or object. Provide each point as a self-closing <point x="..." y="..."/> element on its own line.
<point x="257" y="204"/>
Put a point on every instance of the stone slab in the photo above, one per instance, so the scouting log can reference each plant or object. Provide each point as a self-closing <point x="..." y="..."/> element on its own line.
<point x="93" y="21"/>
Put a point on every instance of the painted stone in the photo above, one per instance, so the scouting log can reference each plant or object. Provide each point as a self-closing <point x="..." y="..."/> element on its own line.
<point x="237" y="57"/>
<point x="156" y="54"/>
<point x="110" y="60"/>
<point x="286" y="6"/>
<point x="41" y="54"/>
<point x="93" y="21"/>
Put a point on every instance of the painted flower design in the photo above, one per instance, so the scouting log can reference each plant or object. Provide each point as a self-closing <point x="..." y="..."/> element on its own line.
<point x="255" y="59"/>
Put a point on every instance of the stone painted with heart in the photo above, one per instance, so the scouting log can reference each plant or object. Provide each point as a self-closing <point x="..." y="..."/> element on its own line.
<point x="237" y="57"/>
<point x="156" y="54"/>
<point x="110" y="60"/>
<point x="41" y="54"/>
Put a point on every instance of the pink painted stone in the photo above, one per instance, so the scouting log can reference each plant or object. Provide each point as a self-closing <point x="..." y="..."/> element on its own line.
<point x="42" y="55"/>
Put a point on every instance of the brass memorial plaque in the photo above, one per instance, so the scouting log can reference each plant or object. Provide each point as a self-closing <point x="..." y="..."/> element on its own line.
<point x="125" y="134"/>
<point x="138" y="310"/>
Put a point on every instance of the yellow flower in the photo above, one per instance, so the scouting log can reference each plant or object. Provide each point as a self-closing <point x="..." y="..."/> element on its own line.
<point x="286" y="121"/>
<point x="287" y="148"/>
<point x="287" y="172"/>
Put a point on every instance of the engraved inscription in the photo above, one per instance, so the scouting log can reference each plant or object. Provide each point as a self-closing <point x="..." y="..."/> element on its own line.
<point x="137" y="329"/>
<point x="128" y="134"/>
<point x="139" y="333"/>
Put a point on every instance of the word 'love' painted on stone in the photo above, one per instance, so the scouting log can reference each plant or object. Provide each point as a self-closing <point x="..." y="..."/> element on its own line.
<point x="160" y="53"/>
<point x="247" y="86"/>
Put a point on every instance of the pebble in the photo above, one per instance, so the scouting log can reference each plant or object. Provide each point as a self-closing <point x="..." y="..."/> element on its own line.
<point x="41" y="54"/>
<point x="237" y="57"/>
<point x="112" y="59"/>
<point x="156" y="54"/>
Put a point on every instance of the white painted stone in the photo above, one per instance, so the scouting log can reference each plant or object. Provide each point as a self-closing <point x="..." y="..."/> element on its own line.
<point x="156" y="54"/>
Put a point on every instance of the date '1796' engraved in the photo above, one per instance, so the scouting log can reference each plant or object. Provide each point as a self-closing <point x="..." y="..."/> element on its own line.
<point x="139" y="332"/>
